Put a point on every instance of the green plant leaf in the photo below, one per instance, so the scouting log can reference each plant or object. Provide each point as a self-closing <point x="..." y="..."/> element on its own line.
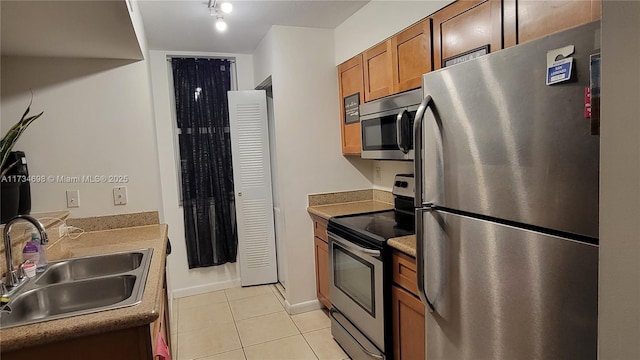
<point x="9" y="140"/>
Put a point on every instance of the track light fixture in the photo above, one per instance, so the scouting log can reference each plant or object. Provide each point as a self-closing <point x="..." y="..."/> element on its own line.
<point x="218" y="10"/>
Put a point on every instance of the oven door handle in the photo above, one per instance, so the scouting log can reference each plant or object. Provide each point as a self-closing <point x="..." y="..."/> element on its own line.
<point x="372" y="355"/>
<point x="354" y="247"/>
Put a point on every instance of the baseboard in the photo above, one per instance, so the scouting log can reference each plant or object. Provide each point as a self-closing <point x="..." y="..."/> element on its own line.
<point x="201" y="289"/>
<point x="302" y="307"/>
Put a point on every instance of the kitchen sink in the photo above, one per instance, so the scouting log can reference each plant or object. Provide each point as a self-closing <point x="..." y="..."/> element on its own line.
<point x="89" y="267"/>
<point x="80" y="286"/>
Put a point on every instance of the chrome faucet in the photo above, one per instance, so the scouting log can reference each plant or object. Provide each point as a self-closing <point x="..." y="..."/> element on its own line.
<point x="11" y="279"/>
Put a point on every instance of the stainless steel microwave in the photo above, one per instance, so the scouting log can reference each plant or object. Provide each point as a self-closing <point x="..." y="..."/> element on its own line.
<point x="387" y="126"/>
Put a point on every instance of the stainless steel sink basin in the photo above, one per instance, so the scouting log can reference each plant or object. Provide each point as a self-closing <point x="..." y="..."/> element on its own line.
<point x="60" y="300"/>
<point x="89" y="267"/>
<point x="80" y="286"/>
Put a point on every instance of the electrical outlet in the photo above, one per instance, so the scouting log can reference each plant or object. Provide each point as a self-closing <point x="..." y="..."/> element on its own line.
<point x="73" y="198"/>
<point x="120" y="195"/>
<point x="378" y="175"/>
<point x="62" y="230"/>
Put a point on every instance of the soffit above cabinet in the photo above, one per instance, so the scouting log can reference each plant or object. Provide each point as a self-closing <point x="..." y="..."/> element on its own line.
<point x="71" y="29"/>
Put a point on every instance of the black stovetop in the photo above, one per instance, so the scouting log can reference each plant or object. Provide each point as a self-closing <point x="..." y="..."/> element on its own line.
<point x="372" y="228"/>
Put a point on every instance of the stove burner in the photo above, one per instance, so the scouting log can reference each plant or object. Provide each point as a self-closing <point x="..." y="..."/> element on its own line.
<point x="375" y="228"/>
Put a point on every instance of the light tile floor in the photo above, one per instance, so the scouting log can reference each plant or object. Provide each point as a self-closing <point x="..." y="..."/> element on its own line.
<point x="248" y="324"/>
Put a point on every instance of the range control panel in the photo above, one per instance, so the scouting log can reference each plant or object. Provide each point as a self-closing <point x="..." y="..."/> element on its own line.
<point x="404" y="185"/>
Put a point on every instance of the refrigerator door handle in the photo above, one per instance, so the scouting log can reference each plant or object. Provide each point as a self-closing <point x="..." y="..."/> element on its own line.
<point x="420" y="259"/>
<point x="417" y="146"/>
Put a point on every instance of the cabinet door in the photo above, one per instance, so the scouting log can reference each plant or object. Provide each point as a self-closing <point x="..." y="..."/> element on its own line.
<point x="411" y="56"/>
<point x="465" y="26"/>
<point x="404" y="271"/>
<point x="350" y="82"/>
<point x="527" y="20"/>
<point x="322" y="271"/>
<point x="408" y="325"/>
<point x="377" y="71"/>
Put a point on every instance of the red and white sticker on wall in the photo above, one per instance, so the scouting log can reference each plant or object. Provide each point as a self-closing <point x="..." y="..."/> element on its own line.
<point x="587" y="103"/>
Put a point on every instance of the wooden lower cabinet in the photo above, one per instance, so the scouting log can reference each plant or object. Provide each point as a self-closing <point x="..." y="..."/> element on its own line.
<point x="136" y="343"/>
<point x="322" y="271"/>
<point x="161" y="325"/>
<point x="128" y="344"/>
<point x="321" y="252"/>
<point x="408" y="325"/>
<point x="407" y="311"/>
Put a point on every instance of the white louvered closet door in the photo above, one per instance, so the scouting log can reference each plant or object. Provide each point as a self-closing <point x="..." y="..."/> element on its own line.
<point x="252" y="183"/>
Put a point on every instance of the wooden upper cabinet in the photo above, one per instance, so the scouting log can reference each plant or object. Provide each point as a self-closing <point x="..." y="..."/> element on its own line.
<point x="377" y="71"/>
<point x="464" y="26"/>
<point x="527" y="20"/>
<point x="350" y="82"/>
<point x="411" y="56"/>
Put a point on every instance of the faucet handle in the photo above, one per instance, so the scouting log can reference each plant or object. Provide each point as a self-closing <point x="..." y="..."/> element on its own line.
<point x="21" y="272"/>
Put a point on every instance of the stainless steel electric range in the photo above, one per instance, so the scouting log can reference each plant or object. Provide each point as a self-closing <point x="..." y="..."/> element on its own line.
<point x="360" y="279"/>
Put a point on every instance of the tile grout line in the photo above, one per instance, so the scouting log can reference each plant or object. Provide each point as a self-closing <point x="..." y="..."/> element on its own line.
<point x="282" y="338"/>
<point x="235" y="325"/>
<point x="235" y="322"/>
<point x="310" y="347"/>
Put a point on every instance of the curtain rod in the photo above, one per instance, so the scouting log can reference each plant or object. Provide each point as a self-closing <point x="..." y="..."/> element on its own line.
<point x="233" y="60"/>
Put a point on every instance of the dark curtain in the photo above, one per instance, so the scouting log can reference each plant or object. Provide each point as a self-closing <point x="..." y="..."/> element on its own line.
<point x="202" y="111"/>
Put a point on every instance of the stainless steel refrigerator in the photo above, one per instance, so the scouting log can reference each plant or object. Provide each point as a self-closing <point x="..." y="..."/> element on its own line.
<point x="506" y="175"/>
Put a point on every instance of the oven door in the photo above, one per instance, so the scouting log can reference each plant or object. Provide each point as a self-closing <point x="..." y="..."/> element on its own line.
<point x="388" y="135"/>
<point x="356" y="276"/>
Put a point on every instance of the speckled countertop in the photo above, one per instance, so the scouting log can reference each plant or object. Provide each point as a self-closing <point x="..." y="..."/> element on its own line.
<point x="93" y="243"/>
<point x="348" y="208"/>
<point x="406" y="244"/>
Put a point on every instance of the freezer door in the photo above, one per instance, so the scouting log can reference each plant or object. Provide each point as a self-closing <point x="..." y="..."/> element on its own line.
<point x="499" y="292"/>
<point x="500" y="142"/>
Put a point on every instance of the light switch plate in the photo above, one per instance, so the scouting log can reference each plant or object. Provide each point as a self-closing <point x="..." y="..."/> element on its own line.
<point x="73" y="198"/>
<point x="120" y="195"/>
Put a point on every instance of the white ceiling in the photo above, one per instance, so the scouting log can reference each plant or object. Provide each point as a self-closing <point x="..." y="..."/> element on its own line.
<point x="185" y="25"/>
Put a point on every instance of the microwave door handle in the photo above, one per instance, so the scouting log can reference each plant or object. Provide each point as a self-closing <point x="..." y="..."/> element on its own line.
<point x="400" y="138"/>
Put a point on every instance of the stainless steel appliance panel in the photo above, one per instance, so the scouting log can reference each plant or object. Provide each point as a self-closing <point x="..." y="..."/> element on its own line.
<point x="353" y="340"/>
<point x="500" y="292"/>
<point x="386" y="126"/>
<point x="355" y="286"/>
<point x="499" y="142"/>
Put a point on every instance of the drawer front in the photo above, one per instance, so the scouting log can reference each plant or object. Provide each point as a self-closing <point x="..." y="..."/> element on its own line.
<point x="320" y="228"/>
<point x="404" y="272"/>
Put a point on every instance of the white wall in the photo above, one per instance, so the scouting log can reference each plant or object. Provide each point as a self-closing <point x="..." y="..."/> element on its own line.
<point x="378" y="20"/>
<point x="384" y="173"/>
<point x="97" y="121"/>
<point x="184" y="282"/>
<point x="619" y="293"/>
<point x="263" y="58"/>
<point x="305" y="92"/>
